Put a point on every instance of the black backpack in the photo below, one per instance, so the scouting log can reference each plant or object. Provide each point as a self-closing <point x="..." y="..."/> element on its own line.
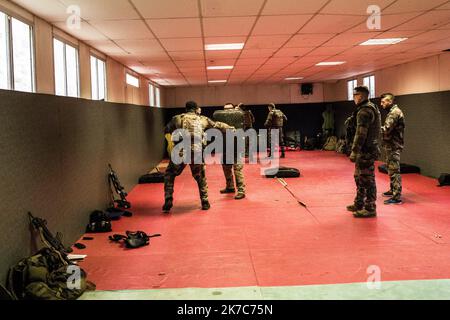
<point x="99" y="222"/>
<point x="444" y="180"/>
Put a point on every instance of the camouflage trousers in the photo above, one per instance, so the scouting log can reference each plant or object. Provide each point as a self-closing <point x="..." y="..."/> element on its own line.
<point x="238" y="170"/>
<point x="366" y="188"/>
<point x="393" y="164"/>
<point x="281" y="141"/>
<point x="174" y="170"/>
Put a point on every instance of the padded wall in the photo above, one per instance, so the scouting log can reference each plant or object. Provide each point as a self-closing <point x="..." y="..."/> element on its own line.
<point x="54" y="153"/>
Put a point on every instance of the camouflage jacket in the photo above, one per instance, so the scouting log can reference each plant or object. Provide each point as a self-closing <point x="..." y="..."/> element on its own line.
<point x="368" y="130"/>
<point x="394" y="128"/>
<point x="196" y="125"/>
<point x="275" y="119"/>
<point x="249" y="119"/>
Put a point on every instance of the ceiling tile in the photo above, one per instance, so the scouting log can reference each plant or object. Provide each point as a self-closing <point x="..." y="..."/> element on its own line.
<point x="187" y="55"/>
<point x="154" y="55"/>
<point x="123" y="29"/>
<point x="388" y="21"/>
<point x="402" y="6"/>
<point x="183" y="44"/>
<point x="267" y="42"/>
<point x="401" y="47"/>
<point x="139" y="47"/>
<point x="354" y="7"/>
<point x="231" y="8"/>
<point x="176" y="28"/>
<point x="397" y="34"/>
<point x="292" y="52"/>
<point x="250" y="62"/>
<point x="50" y="10"/>
<point x="350" y="39"/>
<point x="445" y="6"/>
<point x="257" y="53"/>
<point x="275" y="7"/>
<point x="221" y="62"/>
<point x="190" y="63"/>
<point x="327" y="51"/>
<point x="234" y="26"/>
<point x="430" y="20"/>
<point x="106" y="46"/>
<point x="104" y="9"/>
<point x="167" y="8"/>
<point x="445" y="27"/>
<point x="331" y="24"/>
<point x="288" y="24"/>
<point x="427" y="37"/>
<point x="85" y="32"/>
<point x="308" y="40"/>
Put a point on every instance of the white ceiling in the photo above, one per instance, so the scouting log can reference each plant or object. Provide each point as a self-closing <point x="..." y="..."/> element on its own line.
<point x="164" y="39"/>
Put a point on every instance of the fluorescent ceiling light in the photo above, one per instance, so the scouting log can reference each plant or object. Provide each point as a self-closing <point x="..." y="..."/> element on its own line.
<point x="294" y="78"/>
<point x="220" y="67"/>
<point x="217" y="81"/>
<point x="378" y="42"/>
<point x="225" y="46"/>
<point x="330" y="63"/>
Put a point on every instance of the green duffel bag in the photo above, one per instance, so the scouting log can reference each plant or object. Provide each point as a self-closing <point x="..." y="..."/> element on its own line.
<point x="47" y="276"/>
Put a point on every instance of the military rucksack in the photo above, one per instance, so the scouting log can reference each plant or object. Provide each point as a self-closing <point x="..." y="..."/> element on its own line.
<point x="277" y="118"/>
<point x="47" y="276"/>
<point x="232" y="117"/>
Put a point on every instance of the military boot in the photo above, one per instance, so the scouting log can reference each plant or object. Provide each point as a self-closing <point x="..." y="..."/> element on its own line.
<point x="167" y="206"/>
<point x="354" y="208"/>
<point x="365" y="213"/>
<point x="388" y="194"/>
<point x="205" y="205"/>
<point x="240" y="196"/>
<point x="228" y="190"/>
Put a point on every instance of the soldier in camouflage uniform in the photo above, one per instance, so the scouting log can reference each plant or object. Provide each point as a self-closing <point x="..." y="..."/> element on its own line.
<point x="249" y="120"/>
<point x="276" y="120"/>
<point x="393" y="133"/>
<point x="237" y="168"/>
<point x="195" y="124"/>
<point x="365" y="151"/>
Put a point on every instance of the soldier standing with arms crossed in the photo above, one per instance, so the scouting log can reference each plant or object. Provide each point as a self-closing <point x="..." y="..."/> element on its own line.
<point x="393" y="140"/>
<point x="365" y="151"/>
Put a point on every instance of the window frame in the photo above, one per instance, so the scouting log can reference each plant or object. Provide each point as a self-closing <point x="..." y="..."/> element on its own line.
<point x="371" y="86"/>
<point x="355" y="84"/>
<point x="129" y="74"/>
<point x="10" y="50"/>
<point x="97" y="59"/>
<point x="77" y="50"/>
<point x="151" y="94"/>
<point x="157" y="97"/>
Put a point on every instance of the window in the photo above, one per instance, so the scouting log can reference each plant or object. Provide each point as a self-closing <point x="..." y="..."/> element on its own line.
<point x="16" y="55"/>
<point x="351" y="85"/>
<point x="369" y="82"/>
<point x="157" y="97"/>
<point x="151" y="95"/>
<point x="98" y="78"/>
<point x="132" y="80"/>
<point x="67" y="81"/>
<point x="4" y="52"/>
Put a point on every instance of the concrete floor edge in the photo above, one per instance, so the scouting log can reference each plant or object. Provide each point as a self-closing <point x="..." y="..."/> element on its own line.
<point x="389" y="290"/>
